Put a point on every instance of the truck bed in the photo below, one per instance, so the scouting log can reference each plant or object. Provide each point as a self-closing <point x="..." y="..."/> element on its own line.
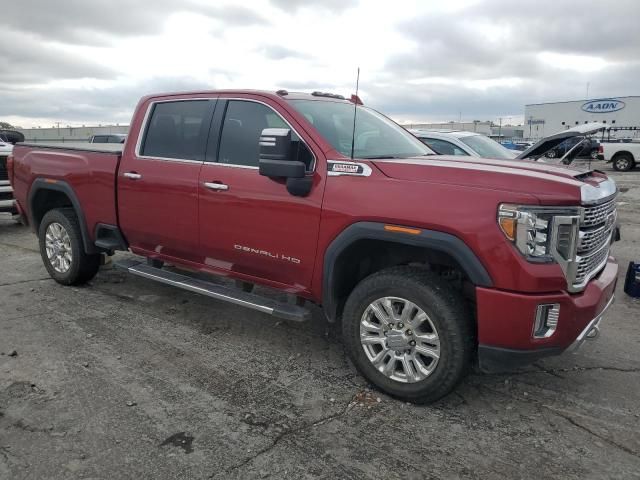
<point x="84" y="171"/>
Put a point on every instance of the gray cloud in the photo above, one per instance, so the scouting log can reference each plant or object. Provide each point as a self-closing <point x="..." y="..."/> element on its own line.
<point x="456" y="46"/>
<point x="95" y="22"/>
<point x="333" y="5"/>
<point x="489" y="40"/>
<point x="277" y="52"/>
<point x="91" y="105"/>
<point x="26" y="60"/>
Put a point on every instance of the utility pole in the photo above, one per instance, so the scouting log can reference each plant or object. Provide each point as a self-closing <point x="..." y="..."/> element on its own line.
<point x="500" y="129"/>
<point x="587" y="90"/>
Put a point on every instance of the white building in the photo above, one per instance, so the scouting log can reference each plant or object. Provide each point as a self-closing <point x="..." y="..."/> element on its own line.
<point x="69" y="134"/>
<point x="542" y="119"/>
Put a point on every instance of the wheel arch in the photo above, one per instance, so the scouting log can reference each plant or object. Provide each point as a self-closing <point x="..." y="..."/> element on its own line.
<point x="348" y="258"/>
<point x="45" y="195"/>
<point x="621" y="153"/>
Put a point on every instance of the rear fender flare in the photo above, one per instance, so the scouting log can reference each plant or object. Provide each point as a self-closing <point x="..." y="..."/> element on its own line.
<point x="40" y="184"/>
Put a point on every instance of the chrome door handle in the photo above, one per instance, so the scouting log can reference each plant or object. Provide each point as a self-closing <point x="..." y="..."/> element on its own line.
<point x="216" y="186"/>
<point x="132" y="175"/>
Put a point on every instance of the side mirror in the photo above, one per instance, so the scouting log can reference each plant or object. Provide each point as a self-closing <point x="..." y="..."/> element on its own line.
<point x="275" y="160"/>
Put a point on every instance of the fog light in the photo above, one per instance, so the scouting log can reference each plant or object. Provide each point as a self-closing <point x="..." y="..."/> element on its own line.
<point x="546" y="321"/>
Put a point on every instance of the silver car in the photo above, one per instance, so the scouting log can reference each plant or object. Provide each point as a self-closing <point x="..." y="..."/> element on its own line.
<point x="458" y="142"/>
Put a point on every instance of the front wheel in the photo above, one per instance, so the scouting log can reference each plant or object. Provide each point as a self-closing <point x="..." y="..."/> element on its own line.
<point x="409" y="333"/>
<point x="62" y="250"/>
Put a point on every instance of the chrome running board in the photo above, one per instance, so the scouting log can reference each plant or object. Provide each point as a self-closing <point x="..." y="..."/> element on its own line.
<point x="275" y="308"/>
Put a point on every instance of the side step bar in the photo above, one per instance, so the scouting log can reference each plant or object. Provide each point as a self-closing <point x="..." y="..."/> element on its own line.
<point x="219" y="292"/>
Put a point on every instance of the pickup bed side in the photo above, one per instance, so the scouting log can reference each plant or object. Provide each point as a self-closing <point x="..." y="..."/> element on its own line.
<point x="47" y="177"/>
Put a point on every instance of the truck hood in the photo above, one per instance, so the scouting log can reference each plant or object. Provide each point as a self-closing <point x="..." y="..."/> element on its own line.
<point x="548" y="183"/>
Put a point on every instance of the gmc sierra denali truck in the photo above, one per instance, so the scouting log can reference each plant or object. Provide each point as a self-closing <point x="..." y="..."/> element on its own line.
<point x="429" y="262"/>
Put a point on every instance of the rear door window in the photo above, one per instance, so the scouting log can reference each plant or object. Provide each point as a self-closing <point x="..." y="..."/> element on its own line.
<point x="178" y="130"/>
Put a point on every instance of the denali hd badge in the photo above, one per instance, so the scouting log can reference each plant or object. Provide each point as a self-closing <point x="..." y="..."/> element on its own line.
<point x="336" y="168"/>
<point x="275" y="256"/>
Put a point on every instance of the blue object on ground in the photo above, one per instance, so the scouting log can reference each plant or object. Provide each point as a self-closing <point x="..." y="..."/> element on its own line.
<point x="632" y="282"/>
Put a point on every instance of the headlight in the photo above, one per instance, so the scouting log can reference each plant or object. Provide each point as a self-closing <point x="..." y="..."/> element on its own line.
<point x="541" y="234"/>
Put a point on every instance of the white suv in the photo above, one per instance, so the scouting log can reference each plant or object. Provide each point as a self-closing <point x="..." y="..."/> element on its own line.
<point x="458" y="142"/>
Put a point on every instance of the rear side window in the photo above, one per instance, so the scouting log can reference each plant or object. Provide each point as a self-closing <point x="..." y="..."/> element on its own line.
<point x="178" y="130"/>
<point x="241" y="129"/>
<point x="100" y="139"/>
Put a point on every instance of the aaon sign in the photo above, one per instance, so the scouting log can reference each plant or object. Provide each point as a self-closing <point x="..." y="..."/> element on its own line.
<point x="605" y="105"/>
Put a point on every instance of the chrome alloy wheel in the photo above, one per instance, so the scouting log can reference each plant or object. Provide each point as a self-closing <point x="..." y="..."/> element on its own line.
<point x="399" y="339"/>
<point x="58" y="247"/>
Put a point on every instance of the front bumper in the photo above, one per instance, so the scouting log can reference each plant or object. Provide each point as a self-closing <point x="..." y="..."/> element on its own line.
<point x="506" y="321"/>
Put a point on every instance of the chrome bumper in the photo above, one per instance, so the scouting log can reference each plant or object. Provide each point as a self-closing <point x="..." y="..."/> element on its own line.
<point x="592" y="330"/>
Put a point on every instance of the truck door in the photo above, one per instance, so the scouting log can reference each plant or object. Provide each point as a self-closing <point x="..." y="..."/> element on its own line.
<point x="158" y="179"/>
<point x="250" y="224"/>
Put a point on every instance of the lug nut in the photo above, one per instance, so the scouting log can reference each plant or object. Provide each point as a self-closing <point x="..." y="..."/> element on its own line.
<point x="412" y="343"/>
<point x="409" y="332"/>
<point x="401" y="325"/>
<point x="391" y="325"/>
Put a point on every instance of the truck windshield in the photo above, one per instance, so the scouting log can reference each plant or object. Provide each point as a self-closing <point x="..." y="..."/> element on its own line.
<point x="376" y="136"/>
<point x="487" y="148"/>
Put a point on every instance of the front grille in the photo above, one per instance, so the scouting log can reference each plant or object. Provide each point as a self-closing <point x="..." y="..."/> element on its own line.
<point x="593" y="238"/>
<point x="591" y="264"/>
<point x="597" y="214"/>
<point x="596" y="229"/>
<point x="4" y="175"/>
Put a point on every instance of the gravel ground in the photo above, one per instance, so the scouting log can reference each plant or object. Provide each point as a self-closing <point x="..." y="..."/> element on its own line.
<point x="125" y="378"/>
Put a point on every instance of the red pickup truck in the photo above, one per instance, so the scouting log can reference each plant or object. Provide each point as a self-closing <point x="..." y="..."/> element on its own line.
<point x="430" y="263"/>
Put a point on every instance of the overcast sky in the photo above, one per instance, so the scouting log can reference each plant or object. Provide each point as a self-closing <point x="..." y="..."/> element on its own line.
<point x="87" y="61"/>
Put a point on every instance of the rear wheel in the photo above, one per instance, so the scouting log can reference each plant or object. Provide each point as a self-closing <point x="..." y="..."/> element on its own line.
<point x="409" y="333"/>
<point x="62" y="250"/>
<point x="623" y="162"/>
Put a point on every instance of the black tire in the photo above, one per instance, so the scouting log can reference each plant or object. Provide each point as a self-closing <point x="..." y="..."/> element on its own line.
<point x="623" y="162"/>
<point x="446" y="309"/>
<point x="83" y="267"/>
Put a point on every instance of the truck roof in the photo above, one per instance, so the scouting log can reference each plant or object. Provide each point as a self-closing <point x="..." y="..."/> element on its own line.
<point x="283" y="94"/>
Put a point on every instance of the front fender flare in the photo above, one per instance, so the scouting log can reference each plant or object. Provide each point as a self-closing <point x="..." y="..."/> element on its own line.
<point x="431" y="239"/>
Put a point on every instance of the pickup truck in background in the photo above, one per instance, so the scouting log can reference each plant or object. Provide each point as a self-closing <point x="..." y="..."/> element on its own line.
<point x="108" y="138"/>
<point x="624" y="156"/>
<point x="430" y="263"/>
<point x="7" y="204"/>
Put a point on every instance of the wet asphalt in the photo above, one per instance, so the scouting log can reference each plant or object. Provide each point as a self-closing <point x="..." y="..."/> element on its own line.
<point x="125" y="378"/>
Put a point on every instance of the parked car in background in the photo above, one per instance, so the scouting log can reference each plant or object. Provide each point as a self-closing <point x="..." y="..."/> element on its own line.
<point x="458" y="142"/>
<point x="581" y="139"/>
<point x="587" y="150"/>
<point x="7" y="203"/>
<point x="623" y="156"/>
<point x="430" y="263"/>
<point x="110" y="138"/>
<point x="519" y="146"/>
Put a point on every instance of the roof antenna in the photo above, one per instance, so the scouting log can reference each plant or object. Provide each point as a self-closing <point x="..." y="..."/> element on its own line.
<point x="355" y="111"/>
